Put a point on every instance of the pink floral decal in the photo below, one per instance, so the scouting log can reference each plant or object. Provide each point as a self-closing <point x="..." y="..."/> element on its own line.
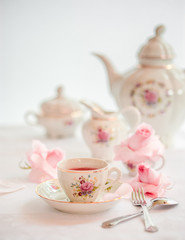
<point x="84" y="187"/>
<point x="151" y="97"/>
<point x="103" y="135"/>
<point x="55" y="187"/>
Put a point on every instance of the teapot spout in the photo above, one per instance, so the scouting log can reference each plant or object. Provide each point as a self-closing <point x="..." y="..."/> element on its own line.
<point x="113" y="76"/>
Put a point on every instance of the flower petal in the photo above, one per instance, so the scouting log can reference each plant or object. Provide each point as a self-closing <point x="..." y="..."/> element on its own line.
<point x="153" y="183"/>
<point x="38" y="176"/>
<point x="39" y="148"/>
<point x="54" y="157"/>
<point x="36" y="161"/>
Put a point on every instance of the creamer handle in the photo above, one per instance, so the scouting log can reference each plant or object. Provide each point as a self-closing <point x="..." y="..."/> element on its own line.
<point x="28" y="116"/>
<point x="132" y="116"/>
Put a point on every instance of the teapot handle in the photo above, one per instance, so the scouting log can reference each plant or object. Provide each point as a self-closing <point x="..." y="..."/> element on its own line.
<point x="132" y="116"/>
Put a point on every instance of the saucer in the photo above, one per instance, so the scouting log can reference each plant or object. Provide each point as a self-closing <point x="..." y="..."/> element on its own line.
<point x="51" y="192"/>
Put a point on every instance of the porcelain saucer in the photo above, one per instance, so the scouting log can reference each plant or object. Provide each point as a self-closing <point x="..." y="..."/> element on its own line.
<point x="51" y="192"/>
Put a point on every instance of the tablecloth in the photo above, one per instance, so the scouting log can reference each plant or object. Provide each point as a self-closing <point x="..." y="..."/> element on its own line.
<point x="25" y="216"/>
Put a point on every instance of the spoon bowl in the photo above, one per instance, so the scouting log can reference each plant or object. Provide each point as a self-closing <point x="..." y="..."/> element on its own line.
<point x="162" y="201"/>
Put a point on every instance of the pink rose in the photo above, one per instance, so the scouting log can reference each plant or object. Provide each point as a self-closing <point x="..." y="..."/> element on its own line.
<point x="147" y="175"/>
<point x="153" y="183"/>
<point x="140" y="138"/>
<point x="151" y="97"/>
<point x="141" y="146"/>
<point x="103" y="136"/>
<point x="86" y="187"/>
<point x="43" y="162"/>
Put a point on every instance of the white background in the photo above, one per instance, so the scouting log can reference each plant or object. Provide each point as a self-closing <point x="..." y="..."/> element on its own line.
<point x="46" y="43"/>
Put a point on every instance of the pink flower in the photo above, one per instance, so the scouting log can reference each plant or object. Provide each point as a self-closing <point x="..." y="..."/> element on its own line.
<point x="141" y="146"/>
<point x="153" y="183"/>
<point x="147" y="175"/>
<point x="43" y="162"/>
<point x="86" y="187"/>
<point x="151" y="97"/>
<point x="103" y="136"/>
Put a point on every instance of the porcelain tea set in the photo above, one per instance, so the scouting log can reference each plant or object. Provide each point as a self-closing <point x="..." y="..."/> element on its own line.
<point x="156" y="88"/>
<point x="153" y="92"/>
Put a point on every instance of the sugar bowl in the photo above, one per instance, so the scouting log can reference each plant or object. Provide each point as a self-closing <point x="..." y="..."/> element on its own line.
<point x="59" y="116"/>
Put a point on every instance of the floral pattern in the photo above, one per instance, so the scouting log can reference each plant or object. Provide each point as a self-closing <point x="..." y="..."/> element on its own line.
<point x="54" y="186"/>
<point x="84" y="187"/>
<point x="103" y="135"/>
<point x="151" y="98"/>
<point x="109" y="188"/>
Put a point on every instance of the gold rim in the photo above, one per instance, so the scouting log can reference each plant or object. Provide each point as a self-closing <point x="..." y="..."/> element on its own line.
<point x="68" y="202"/>
<point x="76" y="171"/>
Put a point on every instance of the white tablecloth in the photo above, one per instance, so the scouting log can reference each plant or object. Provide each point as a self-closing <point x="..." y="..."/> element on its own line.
<point x="25" y="216"/>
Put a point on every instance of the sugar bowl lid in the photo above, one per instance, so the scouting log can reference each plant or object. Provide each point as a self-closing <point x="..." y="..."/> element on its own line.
<point x="60" y="106"/>
<point x="157" y="47"/>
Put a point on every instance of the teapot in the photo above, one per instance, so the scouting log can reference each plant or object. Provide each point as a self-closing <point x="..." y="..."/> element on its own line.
<point x="105" y="129"/>
<point x="59" y="116"/>
<point x="155" y="87"/>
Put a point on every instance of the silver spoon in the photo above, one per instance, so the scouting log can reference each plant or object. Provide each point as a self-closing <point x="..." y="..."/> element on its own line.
<point x="154" y="202"/>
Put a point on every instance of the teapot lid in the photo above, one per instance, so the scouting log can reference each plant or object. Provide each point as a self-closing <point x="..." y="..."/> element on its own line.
<point x="157" y="47"/>
<point x="60" y="106"/>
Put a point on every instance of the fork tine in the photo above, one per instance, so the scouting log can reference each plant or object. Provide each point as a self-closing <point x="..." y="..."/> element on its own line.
<point x="138" y="198"/>
<point x="139" y="194"/>
<point x="135" y="193"/>
<point x="132" y="196"/>
<point x="143" y="195"/>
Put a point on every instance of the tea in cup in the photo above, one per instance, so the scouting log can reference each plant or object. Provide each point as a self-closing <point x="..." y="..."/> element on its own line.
<point x="84" y="179"/>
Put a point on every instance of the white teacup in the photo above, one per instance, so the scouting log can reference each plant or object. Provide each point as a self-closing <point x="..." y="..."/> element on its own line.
<point x="83" y="179"/>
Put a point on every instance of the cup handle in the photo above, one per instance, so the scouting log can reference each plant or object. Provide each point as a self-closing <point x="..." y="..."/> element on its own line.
<point x="28" y="116"/>
<point x="115" y="169"/>
<point x="118" y="177"/>
<point x="163" y="160"/>
<point x="132" y="115"/>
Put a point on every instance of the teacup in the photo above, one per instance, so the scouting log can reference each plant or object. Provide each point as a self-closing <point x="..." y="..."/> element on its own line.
<point x="132" y="168"/>
<point x="84" y="179"/>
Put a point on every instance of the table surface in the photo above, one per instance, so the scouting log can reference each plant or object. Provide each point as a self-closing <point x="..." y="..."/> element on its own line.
<point x="23" y="215"/>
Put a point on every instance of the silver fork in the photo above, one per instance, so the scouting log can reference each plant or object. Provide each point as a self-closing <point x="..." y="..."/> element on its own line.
<point x="138" y="198"/>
